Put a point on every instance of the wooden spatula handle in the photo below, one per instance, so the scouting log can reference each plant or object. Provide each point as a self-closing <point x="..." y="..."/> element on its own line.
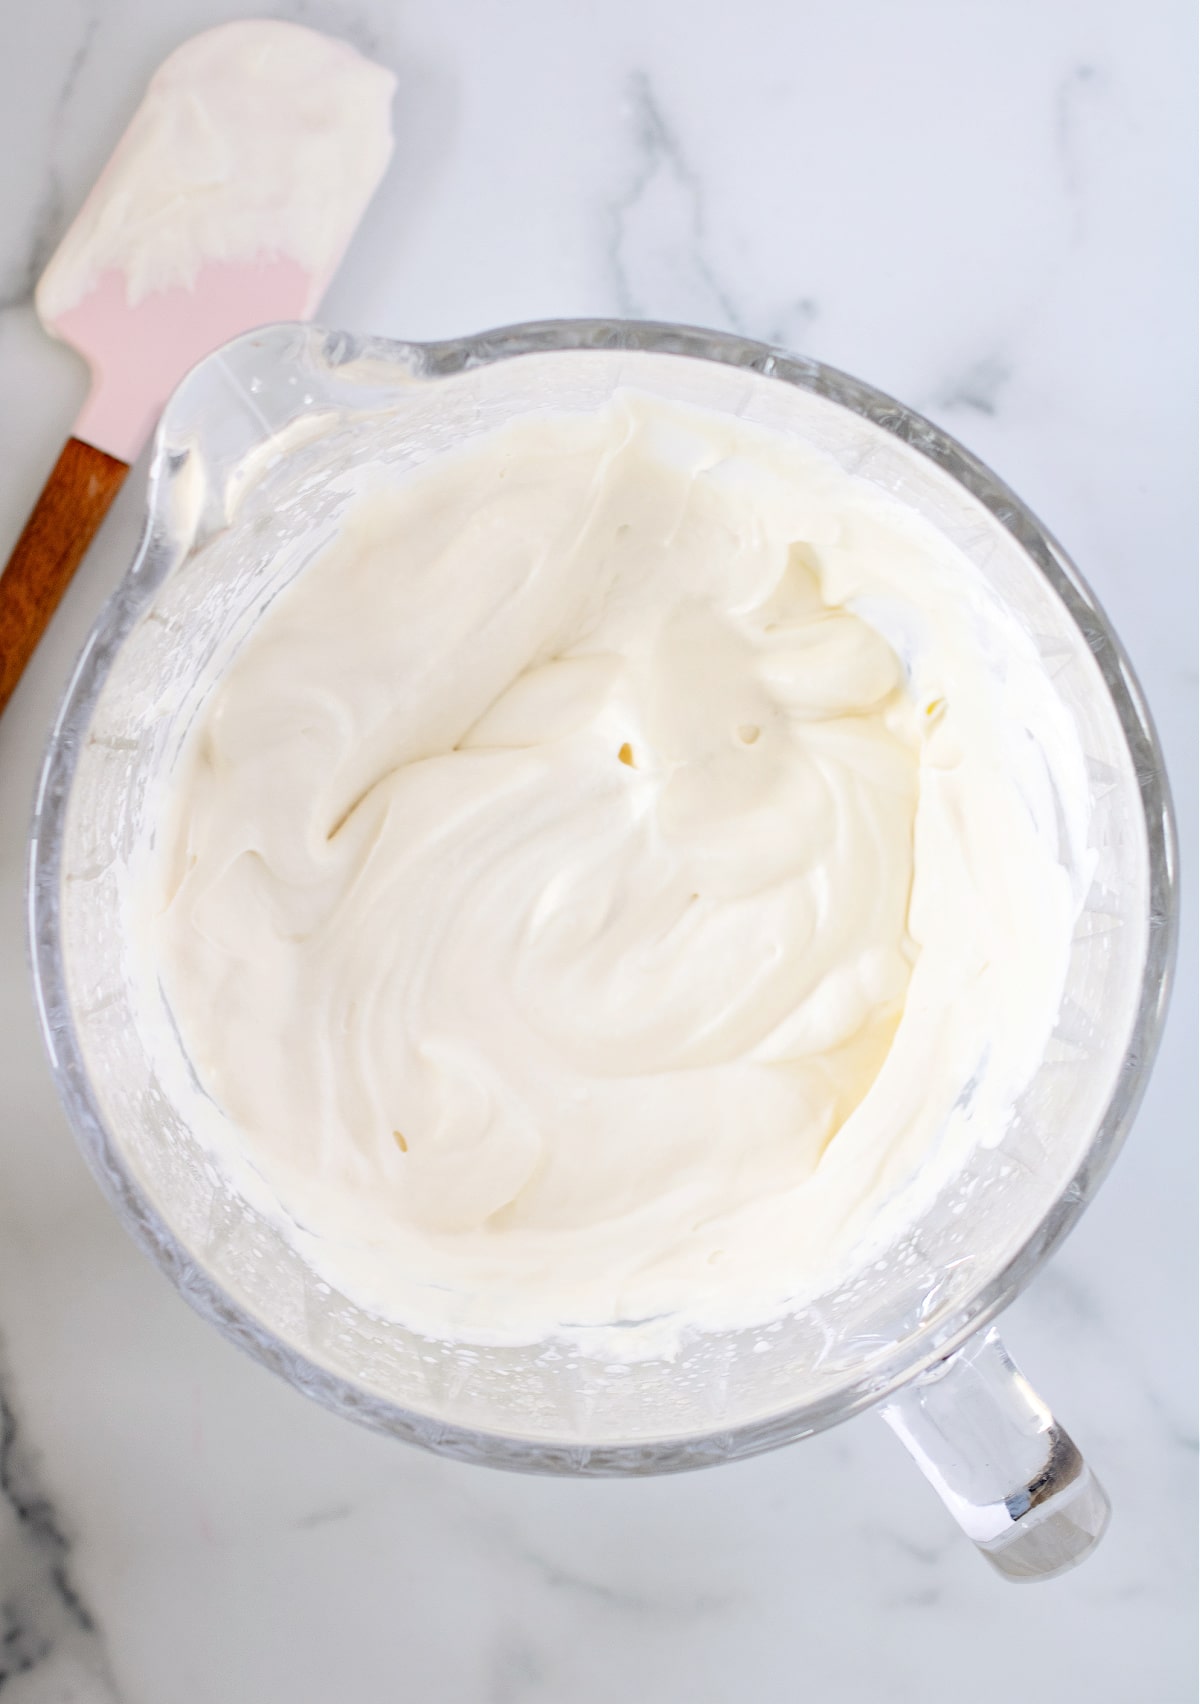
<point x="65" y="519"/>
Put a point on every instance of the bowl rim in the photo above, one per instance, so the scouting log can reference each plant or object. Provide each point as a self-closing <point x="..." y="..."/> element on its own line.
<point x="931" y="1342"/>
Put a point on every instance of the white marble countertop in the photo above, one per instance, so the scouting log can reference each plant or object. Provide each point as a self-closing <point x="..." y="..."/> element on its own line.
<point x="984" y="208"/>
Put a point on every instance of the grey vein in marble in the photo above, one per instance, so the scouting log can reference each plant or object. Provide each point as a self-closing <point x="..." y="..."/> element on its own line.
<point x="791" y="330"/>
<point x="46" y="228"/>
<point x="926" y="1555"/>
<point x="516" y="1670"/>
<point x="323" y="1517"/>
<point x="351" y="23"/>
<point x="682" y="1607"/>
<point x="48" y="222"/>
<point x="43" y="1615"/>
<point x="660" y="219"/>
<point x="1069" y="98"/>
<point x="978" y="387"/>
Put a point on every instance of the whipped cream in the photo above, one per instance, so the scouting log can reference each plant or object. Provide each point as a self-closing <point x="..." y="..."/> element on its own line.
<point x="258" y="139"/>
<point x="618" y="878"/>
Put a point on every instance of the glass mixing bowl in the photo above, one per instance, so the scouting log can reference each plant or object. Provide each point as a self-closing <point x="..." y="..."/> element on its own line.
<point x="252" y="469"/>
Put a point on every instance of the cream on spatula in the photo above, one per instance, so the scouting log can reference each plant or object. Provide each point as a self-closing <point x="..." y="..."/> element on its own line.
<point x="227" y="203"/>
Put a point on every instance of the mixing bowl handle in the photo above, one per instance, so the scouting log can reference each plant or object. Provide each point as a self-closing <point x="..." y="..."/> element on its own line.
<point x="1001" y="1463"/>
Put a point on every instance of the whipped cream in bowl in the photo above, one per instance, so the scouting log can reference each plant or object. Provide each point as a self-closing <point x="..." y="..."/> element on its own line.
<point x="578" y="912"/>
<point x="592" y="891"/>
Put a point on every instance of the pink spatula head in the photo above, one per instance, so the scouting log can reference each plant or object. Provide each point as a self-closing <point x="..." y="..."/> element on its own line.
<point x="228" y="202"/>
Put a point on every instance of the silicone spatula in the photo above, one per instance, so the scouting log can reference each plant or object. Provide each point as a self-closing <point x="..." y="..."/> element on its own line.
<point x="227" y="203"/>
